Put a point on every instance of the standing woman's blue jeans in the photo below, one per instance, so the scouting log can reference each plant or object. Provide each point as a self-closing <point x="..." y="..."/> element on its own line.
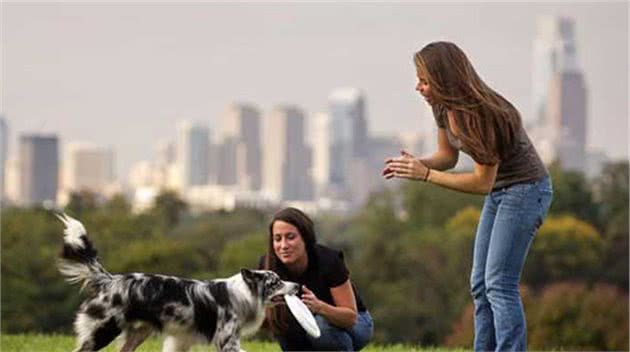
<point x="508" y="223"/>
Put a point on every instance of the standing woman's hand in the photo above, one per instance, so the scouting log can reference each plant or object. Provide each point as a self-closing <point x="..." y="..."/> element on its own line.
<point x="406" y="166"/>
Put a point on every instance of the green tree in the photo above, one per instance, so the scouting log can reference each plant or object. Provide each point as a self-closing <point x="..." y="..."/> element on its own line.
<point x="573" y="316"/>
<point x="615" y="257"/>
<point x="169" y="208"/>
<point x="564" y="316"/>
<point x="572" y="194"/>
<point x="209" y="233"/>
<point x="425" y="285"/>
<point x="117" y="205"/>
<point x="612" y="189"/>
<point x="462" y="333"/>
<point x="82" y="202"/>
<point x="31" y="239"/>
<point x="158" y="255"/>
<point x="429" y="205"/>
<point x="242" y="253"/>
<point x="612" y="199"/>
<point x="464" y="223"/>
<point x="565" y="248"/>
<point x="458" y="244"/>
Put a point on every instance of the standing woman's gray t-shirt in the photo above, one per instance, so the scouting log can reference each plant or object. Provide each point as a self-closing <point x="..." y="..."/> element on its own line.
<point x="521" y="164"/>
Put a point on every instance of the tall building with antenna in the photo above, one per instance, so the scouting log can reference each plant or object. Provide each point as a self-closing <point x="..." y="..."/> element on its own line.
<point x="559" y="95"/>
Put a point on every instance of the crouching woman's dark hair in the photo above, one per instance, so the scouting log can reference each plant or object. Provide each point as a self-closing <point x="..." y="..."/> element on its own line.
<point x="277" y="317"/>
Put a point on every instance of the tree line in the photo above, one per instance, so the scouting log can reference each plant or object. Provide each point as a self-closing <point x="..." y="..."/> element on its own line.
<point x="409" y="250"/>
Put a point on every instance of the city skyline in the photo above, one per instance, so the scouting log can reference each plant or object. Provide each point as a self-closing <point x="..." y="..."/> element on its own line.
<point x="107" y="88"/>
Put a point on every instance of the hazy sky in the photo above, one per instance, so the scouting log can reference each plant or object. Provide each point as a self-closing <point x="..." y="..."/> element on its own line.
<point x="122" y="74"/>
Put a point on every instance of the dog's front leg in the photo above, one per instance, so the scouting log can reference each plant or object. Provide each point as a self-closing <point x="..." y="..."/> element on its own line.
<point x="230" y="344"/>
<point x="134" y="338"/>
<point x="227" y="338"/>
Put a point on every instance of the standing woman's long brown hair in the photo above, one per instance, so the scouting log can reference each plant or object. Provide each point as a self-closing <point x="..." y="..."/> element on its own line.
<point x="277" y="317"/>
<point x="487" y="122"/>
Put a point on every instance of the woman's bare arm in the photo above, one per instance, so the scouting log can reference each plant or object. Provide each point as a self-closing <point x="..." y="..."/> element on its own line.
<point x="445" y="157"/>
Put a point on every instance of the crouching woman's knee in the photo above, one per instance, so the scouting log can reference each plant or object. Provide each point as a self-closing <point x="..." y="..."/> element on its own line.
<point x="331" y="338"/>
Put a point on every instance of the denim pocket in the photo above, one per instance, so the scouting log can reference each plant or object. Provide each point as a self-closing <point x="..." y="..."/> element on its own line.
<point x="516" y="194"/>
<point x="545" y="196"/>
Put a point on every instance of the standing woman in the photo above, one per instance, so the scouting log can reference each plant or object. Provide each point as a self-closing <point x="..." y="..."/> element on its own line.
<point x="477" y="120"/>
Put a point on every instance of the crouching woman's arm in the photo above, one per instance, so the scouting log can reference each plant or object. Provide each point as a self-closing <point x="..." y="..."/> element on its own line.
<point x="343" y="314"/>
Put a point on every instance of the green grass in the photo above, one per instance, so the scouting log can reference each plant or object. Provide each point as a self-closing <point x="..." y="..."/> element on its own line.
<point x="64" y="343"/>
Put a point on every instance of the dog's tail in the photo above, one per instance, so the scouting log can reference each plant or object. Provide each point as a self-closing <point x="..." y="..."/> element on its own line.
<point x="78" y="260"/>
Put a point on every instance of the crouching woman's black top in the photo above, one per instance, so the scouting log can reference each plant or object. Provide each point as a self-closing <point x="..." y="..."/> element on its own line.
<point x="326" y="269"/>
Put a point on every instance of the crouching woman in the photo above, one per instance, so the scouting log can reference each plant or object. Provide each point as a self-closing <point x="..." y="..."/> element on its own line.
<point x="344" y="321"/>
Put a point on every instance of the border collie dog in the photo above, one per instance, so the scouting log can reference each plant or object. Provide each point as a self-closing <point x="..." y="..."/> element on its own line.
<point x="138" y="305"/>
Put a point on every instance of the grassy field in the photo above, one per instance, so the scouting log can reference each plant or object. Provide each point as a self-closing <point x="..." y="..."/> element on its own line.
<point x="63" y="343"/>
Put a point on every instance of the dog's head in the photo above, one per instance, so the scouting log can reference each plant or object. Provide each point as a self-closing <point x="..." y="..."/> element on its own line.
<point x="268" y="286"/>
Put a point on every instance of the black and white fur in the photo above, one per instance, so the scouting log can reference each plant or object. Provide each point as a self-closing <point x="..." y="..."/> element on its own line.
<point x="138" y="305"/>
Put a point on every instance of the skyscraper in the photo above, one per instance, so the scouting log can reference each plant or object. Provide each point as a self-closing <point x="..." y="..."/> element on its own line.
<point x="286" y="157"/>
<point x="192" y="148"/>
<point x="39" y="168"/>
<point x="12" y="181"/>
<point x="240" y="149"/>
<point x="567" y="115"/>
<point x="554" y="52"/>
<point x="88" y="167"/>
<point x="559" y="95"/>
<point x="165" y="165"/>
<point x="231" y="162"/>
<point x="321" y="145"/>
<point x="348" y="131"/>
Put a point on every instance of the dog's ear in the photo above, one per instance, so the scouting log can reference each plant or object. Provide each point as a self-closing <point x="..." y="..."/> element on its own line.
<point x="248" y="275"/>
